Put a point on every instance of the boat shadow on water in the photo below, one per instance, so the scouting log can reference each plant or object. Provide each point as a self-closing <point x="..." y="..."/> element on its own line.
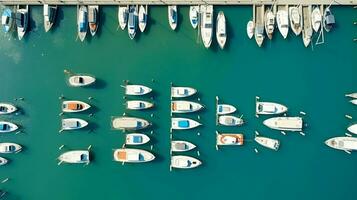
<point x="99" y="84"/>
<point x="58" y="18"/>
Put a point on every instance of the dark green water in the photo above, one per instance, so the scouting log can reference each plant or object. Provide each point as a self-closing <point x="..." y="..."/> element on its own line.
<point x="311" y="80"/>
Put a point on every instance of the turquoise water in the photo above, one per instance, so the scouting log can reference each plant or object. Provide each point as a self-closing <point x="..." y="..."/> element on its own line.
<point x="305" y="79"/>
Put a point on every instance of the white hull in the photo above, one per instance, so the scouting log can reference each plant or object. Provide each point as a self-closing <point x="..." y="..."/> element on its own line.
<point x="184" y="162"/>
<point x="142" y="18"/>
<point x="10" y="148"/>
<point x="172" y="16"/>
<point x="6" y="108"/>
<point x="82" y="22"/>
<point x="80" y="80"/>
<point x="221" y="33"/>
<point x="93" y="16"/>
<point x="342" y="143"/>
<point x="123" y="16"/>
<point x="3" y="161"/>
<point x="132" y="155"/>
<point x="49" y="15"/>
<point x="269" y="108"/>
<point x="282" y="20"/>
<point x="73" y="124"/>
<point x="227" y="120"/>
<point x="284" y="123"/>
<point x="269" y="23"/>
<point x="354" y="101"/>
<point x="295" y="19"/>
<point x="268" y="142"/>
<point x="129" y="123"/>
<point x="250" y="29"/>
<point x="185" y="107"/>
<point x="181" y="92"/>
<point x="316" y="19"/>
<point x="352" y="128"/>
<point x="181" y="146"/>
<point x="7" y="127"/>
<point x="183" y="123"/>
<point x="132" y="21"/>
<point x="259" y="25"/>
<point x="21" y="29"/>
<point x="136" y="139"/>
<point x="138" y="105"/>
<point x="352" y="95"/>
<point x="206" y="24"/>
<point x="74" y="106"/>
<point x="75" y="157"/>
<point x="194" y="12"/>
<point x="229" y="139"/>
<point x="225" y="109"/>
<point x="307" y="27"/>
<point x="137" y="90"/>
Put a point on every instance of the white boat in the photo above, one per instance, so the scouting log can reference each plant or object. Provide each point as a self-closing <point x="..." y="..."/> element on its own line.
<point x="132" y="21"/>
<point x="225" y="139"/>
<point x="123" y="16"/>
<point x="75" y="157"/>
<point x="206" y="24"/>
<point x="295" y="19"/>
<point x="82" y="22"/>
<point x="22" y="20"/>
<point x="132" y="155"/>
<point x="73" y="123"/>
<point x="194" y="13"/>
<point x="3" y="161"/>
<point x="184" y="162"/>
<point x="228" y="120"/>
<point x="7" y="20"/>
<point x="7" y="127"/>
<point x="268" y="142"/>
<point x="143" y="17"/>
<point x="49" y="15"/>
<point x="180" y="92"/>
<point x="138" y="105"/>
<point x="284" y="123"/>
<point x="282" y="20"/>
<point x="269" y="23"/>
<point x="307" y="27"/>
<point x="352" y="128"/>
<point x="250" y="29"/>
<point x="221" y="33"/>
<point x="93" y="19"/>
<point x="352" y="95"/>
<point x="137" y="90"/>
<point x="316" y="18"/>
<point x="136" y="139"/>
<point x="8" y="147"/>
<point x="269" y="108"/>
<point x="354" y="101"/>
<point x="342" y="143"/>
<point x="172" y="15"/>
<point x="183" y="123"/>
<point x="181" y="146"/>
<point x="225" y="109"/>
<point x="6" y="108"/>
<point x="259" y="24"/>
<point x="185" y="106"/>
<point x="80" y="80"/>
<point x="74" y="106"/>
<point x="129" y="123"/>
<point x="329" y="20"/>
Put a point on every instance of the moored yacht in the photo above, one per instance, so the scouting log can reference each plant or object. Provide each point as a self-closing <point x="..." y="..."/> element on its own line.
<point x="316" y="18"/>
<point x="206" y="24"/>
<point x="269" y="23"/>
<point x="194" y="15"/>
<point x="6" y="108"/>
<point x="221" y="33"/>
<point x="259" y="24"/>
<point x="224" y="109"/>
<point x="132" y="21"/>
<point x="352" y="128"/>
<point x="7" y="127"/>
<point x="7" y="20"/>
<point x="185" y="107"/>
<point x="93" y="16"/>
<point x="229" y="138"/>
<point x="129" y="123"/>
<point x="229" y="120"/>
<point x="250" y="29"/>
<point x="181" y="146"/>
<point x="329" y="20"/>
<point x="132" y="155"/>
<point x="269" y="108"/>
<point x="282" y="20"/>
<point x="137" y="90"/>
<point x="143" y="12"/>
<point x="295" y="19"/>
<point x="307" y="27"/>
<point x="183" y="123"/>
<point x="74" y="106"/>
<point x="268" y="142"/>
<point x="75" y="157"/>
<point x="82" y="22"/>
<point x="138" y="105"/>
<point x="184" y="162"/>
<point x="284" y="123"/>
<point x="123" y="16"/>
<point x="181" y="92"/>
<point x="80" y="80"/>
<point x="136" y="139"/>
<point x="8" y="147"/>
<point x="73" y="123"/>
<point x="342" y="143"/>
<point x="22" y="20"/>
<point x="172" y="15"/>
<point x="49" y="15"/>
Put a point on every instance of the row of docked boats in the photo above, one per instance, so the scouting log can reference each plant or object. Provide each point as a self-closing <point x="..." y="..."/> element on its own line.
<point x="87" y="18"/>
<point x="133" y="16"/>
<point x="19" y="18"/>
<point x="353" y="97"/>
<point x="302" y="19"/>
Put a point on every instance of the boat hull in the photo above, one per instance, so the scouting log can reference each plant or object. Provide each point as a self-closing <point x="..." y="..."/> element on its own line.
<point x="73" y="124"/>
<point x="137" y="90"/>
<point x="123" y="16"/>
<point x="185" y="107"/>
<point x="3" y="161"/>
<point x="6" y="108"/>
<point x="181" y="146"/>
<point x="93" y="11"/>
<point x="10" y="148"/>
<point x="136" y="139"/>
<point x="284" y="123"/>
<point x="269" y="108"/>
<point x="194" y="11"/>
<point x="268" y="142"/>
<point x="182" y="92"/>
<point x="229" y="139"/>
<point x="221" y="34"/>
<point x="142" y="18"/>
<point x="49" y="15"/>
<point x="250" y="29"/>
<point x="7" y="127"/>
<point x="75" y="157"/>
<point x="352" y="128"/>
<point x="206" y="24"/>
<point x="183" y="123"/>
<point x="172" y="16"/>
<point x="74" y="106"/>
<point x="132" y="155"/>
<point x="228" y="120"/>
<point x="184" y="162"/>
<point x="81" y="80"/>
<point x="225" y="109"/>
<point x="129" y="123"/>
<point x="138" y="105"/>
<point x="82" y="22"/>
<point x="342" y="143"/>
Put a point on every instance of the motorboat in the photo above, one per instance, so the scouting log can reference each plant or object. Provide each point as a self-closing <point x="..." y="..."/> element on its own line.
<point x="136" y="139"/>
<point x="7" y="127"/>
<point x="181" y="92"/>
<point x="284" y="123"/>
<point x="7" y="20"/>
<point x="328" y="20"/>
<point x="129" y="123"/>
<point x="49" y="16"/>
<point x="268" y="142"/>
<point x="352" y="128"/>
<point x="250" y="29"/>
<point x="206" y="24"/>
<point x="6" y="108"/>
<point x="269" y="108"/>
<point x="352" y="95"/>
<point x="132" y="155"/>
<point x="123" y="16"/>
<point x="138" y="105"/>
<point x="269" y="23"/>
<point x="316" y="18"/>
<point x="342" y="143"/>
<point x="3" y="161"/>
<point x="221" y="32"/>
<point x="194" y="15"/>
<point x="93" y="19"/>
<point x="225" y="109"/>
<point x="259" y="24"/>
<point x="185" y="107"/>
<point x="295" y="19"/>
<point x="143" y="12"/>
<point x="132" y="21"/>
<point x="228" y="120"/>
<point x="8" y="147"/>
<point x="82" y="22"/>
<point x="282" y="20"/>
<point x="81" y="80"/>
<point x="184" y="162"/>
<point x="74" y="106"/>
<point x="229" y="139"/>
<point x="75" y="157"/>
<point x="307" y="27"/>
<point x="22" y="20"/>
<point x="73" y="123"/>
<point x="354" y="101"/>
<point x="172" y="15"/>
<point x="183" y="123"/>
<point x="181" y="146"/>
<point x="137" y="90"/>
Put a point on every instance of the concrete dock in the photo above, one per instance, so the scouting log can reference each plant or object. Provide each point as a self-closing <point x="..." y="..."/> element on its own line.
<point x="176" y="2"/>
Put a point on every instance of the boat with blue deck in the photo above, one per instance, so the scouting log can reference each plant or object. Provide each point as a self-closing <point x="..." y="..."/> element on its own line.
<point x="82" y="22"/>
<point x="183" y="123"/>
<point x="6" y="20"/>
<point x="132" y="21"/>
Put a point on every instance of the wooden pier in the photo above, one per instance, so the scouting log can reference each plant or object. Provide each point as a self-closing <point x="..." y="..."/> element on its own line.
<point x="177" y="2"/>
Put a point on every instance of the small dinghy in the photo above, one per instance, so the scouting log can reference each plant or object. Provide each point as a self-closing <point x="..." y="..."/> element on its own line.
<point x="137" y="90"/>
<point x="172" y="15"/>
<point x="342" y="143"/>
<point x="295" y="19"/>
<point x="316" y="18"/>
<point x="206" y="24"/>
<point x="329" y="20"/>
<point x="180" y="92"/>
<point x="352" y="95"/>
<point x="123" y="16"/>
<point x="352" y="128"/>
<point x="269" y="23"/>
<point x="7" y="20"/>
<point x="229" y="139"/>
<point x="284" y="123"/>
<point x="7" y="127"/>
<point x="93" y="16"/>
<point x="73" y="124"/>
<point x="282" y="20"/>
<point x="268" y="142"/>
<point x="75" y="157"/>
<point x="132" y="21"/>
<point x="3" y="161"/>
<point x="185" y="107"/>
<point x="181" y="146"/>
<point x="74" y="106"/>
<point x="138" y="105"/>
<point x="82" y="22"/>
<point x="22" y="20"/>
<point x="6" y="108"/>
<point x="183" y="123"/>
<point x="221" y="33"/>
<point x="80" y="80"/>
<point x="133" y="155"/>
<point x="269" y="108"/>
<point x="225" y="109"/>
<point x="184" y="162"/>
<point x="10" y="148"/>
<point x="136" y="139"/>
<point x="307" y="27"/>
<point x="143" y="17"/>
<point x="129" y="123"/>
<point x="194" y="13"/>
<point x="354" y="101"/>
<point x="228" y="120"/>
<point x="250" y="29"/>
<point x="49" y="15"/>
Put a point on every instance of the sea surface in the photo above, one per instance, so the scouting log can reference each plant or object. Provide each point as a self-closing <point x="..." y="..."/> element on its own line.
<point x="313" y="80"/>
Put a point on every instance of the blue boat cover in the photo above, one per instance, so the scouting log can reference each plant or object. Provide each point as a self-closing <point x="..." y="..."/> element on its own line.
<point x="183" y="123"/>
<point x="137" y="139"/>
<point x="220" y="108"/>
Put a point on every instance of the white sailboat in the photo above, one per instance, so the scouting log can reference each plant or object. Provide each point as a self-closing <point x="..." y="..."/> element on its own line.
<point x="225" y="109"/>
<point x="184" y="162"/>
<point x="228" y="120"/>
<point x="75" y="157"/>
<point x="282" y="20"/>
<point x="250" y="29"/>
<point x="138" y="105"/>
<point x="137" y="90"/>
<point x="225" y="139"/>
<point x="22" y="20"/>
<point x="342" y="143"/>
<point x="143" y="17"/>
<point x="185" y="107"/>
<point x="123" y="16"/>
<point x="221" y="33"/>
<point x="172" y="15"/>
<point x="49" y="16"/>
<point x="181" y="92"/>
<point x="8" y="147"/>
<point x="316" y="18"/>
<point x="206" y="24"/>
<point x="269" y="23"/>
<point x="183" y="123"/>
<point x="181" y="146"/>
<point x="295" y="19"/>
<point x="6" y="108"/>
<point x="284" y="123"/>
<point x="73" y="123"/>
<point x="74" y="106"/>
<point x="194" y="13"/>
<point x="136" y="139"/>
<point x="268" y="142"/>
<point x="7" y="127"/>
<point x="269" y="108"/>
<point x="352" y="128"/>
<point x="132" y="155"/>
<point x="129" y="123"/>
<point x="307" y="27"/>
